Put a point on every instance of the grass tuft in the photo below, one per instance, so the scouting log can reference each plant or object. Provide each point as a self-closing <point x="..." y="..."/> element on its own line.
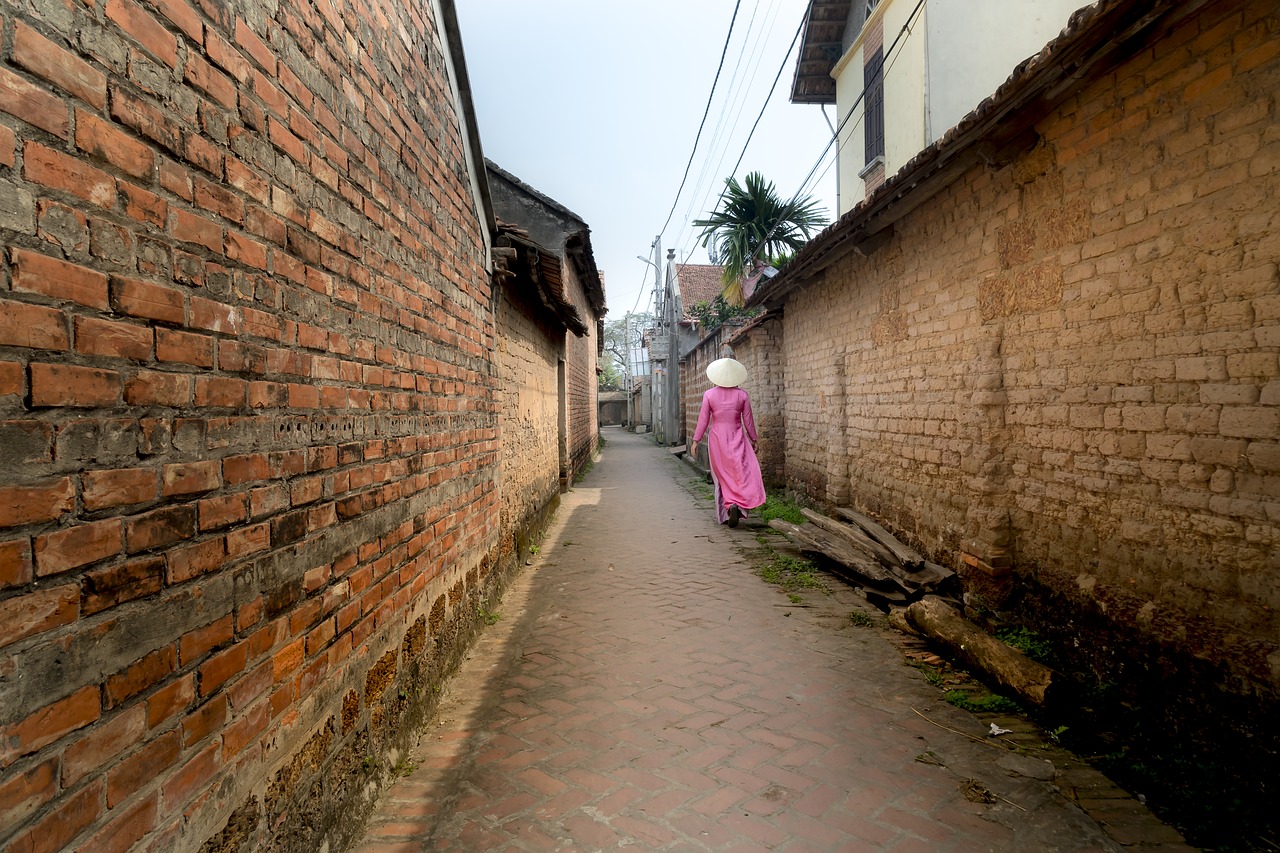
<point x="980" y="702"/>
<point x="776" y="506"/>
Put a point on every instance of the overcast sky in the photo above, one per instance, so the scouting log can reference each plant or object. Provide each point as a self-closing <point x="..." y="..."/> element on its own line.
<point x="596" y="104"/>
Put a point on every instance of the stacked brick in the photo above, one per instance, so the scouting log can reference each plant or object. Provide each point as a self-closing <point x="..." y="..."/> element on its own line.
<point x="246" y="414"/>
<point x="1069" y="364"/>
<point x="581" y="358"/>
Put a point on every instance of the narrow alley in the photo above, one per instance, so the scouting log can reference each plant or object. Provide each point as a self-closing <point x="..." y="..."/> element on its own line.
<point x="643" y="687"/>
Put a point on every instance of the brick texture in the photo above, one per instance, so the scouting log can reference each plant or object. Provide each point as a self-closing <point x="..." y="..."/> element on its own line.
<point x="581" y="357"/>
<point x="248" y="415"/>
<point x="529" y="399"/>
<point x="1074" y="359"/>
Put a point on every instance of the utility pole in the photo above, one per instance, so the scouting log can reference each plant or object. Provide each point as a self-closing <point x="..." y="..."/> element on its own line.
<point x="657" y="388"/>
<point x="673" y="352"/>
<point x="626" y="370"/>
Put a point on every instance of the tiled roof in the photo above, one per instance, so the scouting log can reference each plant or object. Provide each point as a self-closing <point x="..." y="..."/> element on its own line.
<point x="698" y="283"/>
<point x="820" y="49"/>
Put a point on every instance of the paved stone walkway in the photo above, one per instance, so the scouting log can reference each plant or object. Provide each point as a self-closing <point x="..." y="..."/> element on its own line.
<point x="645" y="688"/>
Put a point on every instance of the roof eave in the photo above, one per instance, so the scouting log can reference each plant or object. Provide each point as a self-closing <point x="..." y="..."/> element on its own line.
<point x="994" y="132"/>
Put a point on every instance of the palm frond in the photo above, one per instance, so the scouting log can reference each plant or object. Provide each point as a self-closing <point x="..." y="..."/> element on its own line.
<point x="750" y="222"/>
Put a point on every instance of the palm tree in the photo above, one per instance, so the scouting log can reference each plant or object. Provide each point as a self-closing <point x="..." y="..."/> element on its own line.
<point x="751" y="223"/>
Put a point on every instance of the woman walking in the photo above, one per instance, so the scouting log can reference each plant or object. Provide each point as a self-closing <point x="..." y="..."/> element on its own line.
<point x="731" y="442"/>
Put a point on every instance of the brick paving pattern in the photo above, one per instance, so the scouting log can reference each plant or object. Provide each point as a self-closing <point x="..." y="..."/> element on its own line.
<point x="645" y="688"/>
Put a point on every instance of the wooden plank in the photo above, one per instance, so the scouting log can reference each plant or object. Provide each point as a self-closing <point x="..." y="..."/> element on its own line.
<point x="855" y="536"/>
<point x="909" y="557"/>
<point x="816" y="541"/>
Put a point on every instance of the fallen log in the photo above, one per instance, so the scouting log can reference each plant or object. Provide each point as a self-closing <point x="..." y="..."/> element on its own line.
<point x="855" y="536"/>
<point x="908" y="557"/>
<point x="813" y="540"/>
<point x="1002" y="665"/>
<point x="898" y="619"/>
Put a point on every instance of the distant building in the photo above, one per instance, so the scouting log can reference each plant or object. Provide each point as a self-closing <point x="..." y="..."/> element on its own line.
<point x="549" y="338"/>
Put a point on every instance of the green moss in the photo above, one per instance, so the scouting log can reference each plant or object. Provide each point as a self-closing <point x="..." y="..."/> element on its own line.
<point x="776" y="506"/>
<point x="981" y="702"/>
<point x="861" y="619"/>
<point x="1026" y="642"/>
<point x="790" y="573"/>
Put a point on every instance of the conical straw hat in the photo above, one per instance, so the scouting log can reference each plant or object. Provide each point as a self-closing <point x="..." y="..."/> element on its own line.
<point x="727" y="372"/>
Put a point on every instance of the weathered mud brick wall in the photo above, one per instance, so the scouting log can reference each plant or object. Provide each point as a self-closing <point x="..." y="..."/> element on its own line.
<point x="248" y="443"/>
<point x="528" y="379"/>
<point x="758" y="345"/>
<point x="1069" y="365"/>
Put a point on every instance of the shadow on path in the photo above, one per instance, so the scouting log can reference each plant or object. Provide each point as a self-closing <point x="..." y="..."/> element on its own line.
<point x="644" y="688"/>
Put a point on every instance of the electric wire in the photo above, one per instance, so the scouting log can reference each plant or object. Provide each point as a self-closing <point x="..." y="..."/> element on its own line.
<point x="885" y="66"/>
<point x="725" y="107"/>
<point x="710" y="97"/>
<point x="836" y="137"/>
<point x="768" y="99"/>
<point x="688" y="237"/>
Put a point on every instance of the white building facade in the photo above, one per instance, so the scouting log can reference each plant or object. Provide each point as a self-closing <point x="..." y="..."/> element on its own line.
<point x="924" y="65"/>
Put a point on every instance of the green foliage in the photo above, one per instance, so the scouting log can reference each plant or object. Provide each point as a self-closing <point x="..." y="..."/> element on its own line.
<point x="714" y="314"/>
<point x="862" y="619"/>
<point x="622" y="338"/>
<point x="932" y="674"/>
<point x="979" y="702"/>
<point x="790" y="573"/>
<point x="776" y="506"/>
<point x="489" y="617"/>
<point x="610" y="376"/>
<point x="1026" y="642"/>
<point x="751" y="222"/>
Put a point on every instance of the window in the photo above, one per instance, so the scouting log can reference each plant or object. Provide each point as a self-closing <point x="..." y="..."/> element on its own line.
<point x="873" y="123"/>
<point x="869" y="7"/>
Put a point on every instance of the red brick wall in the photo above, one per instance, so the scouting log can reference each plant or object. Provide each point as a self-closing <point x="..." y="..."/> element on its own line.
<point x="247" y="438"/>
<point x="581" y="357"/>
<point x="693" y="383"/>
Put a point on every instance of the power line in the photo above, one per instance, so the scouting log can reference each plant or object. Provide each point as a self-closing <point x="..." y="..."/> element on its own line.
<point x="782" y="66"/>
<point x="769" y="97"/>
<point x="835" y="137"/>
<point x="879" y="74"/>
<point x="705" y="112"/>
<point x="735" y="88"/>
